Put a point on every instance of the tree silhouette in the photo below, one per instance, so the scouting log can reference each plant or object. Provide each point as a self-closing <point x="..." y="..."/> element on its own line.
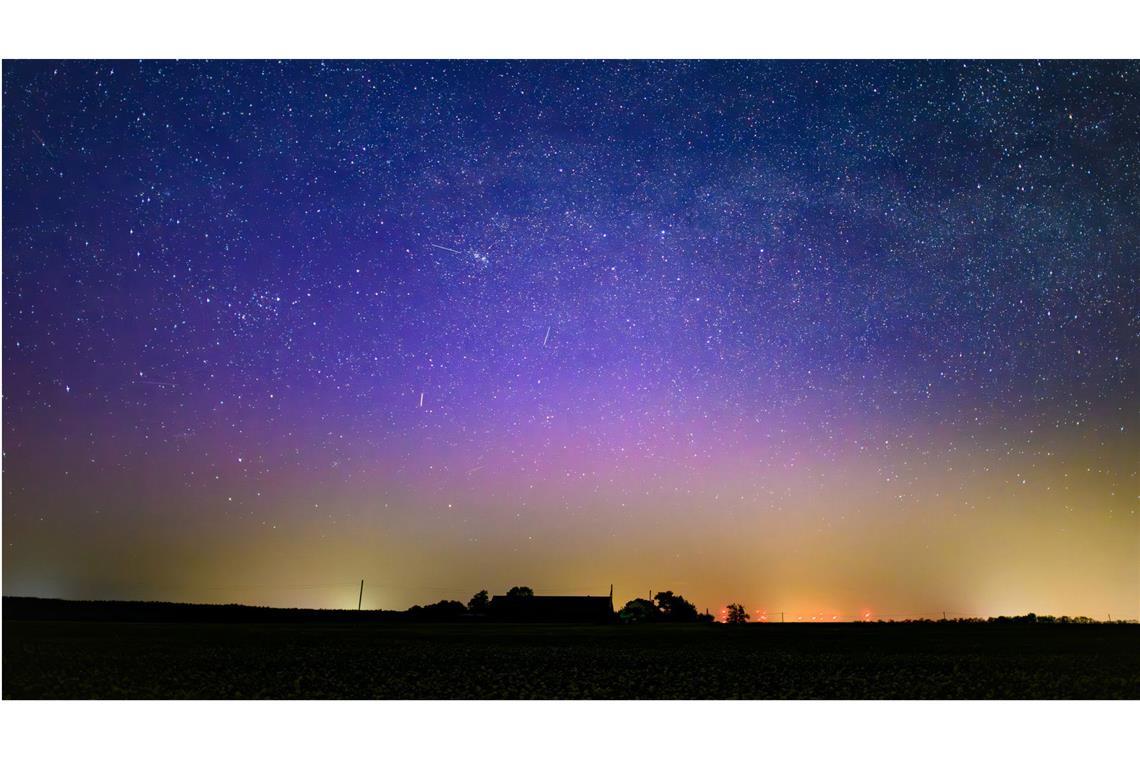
<point x="736" y="614"/>
<point x="521" y="591"/>
<point x="479" y="603"/>
<point x="639" y="611"/>
<point x="675" y="608"/>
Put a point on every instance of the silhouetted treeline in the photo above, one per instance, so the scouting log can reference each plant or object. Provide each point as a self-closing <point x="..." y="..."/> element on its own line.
<point x="666" y="607"/>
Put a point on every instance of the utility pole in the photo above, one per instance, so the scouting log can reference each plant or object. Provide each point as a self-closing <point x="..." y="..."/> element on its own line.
<point x="781" y="617"/>
<point x="360" y="601"/>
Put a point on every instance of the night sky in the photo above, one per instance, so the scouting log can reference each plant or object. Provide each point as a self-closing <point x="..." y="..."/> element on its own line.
<point x="827" y="338"/>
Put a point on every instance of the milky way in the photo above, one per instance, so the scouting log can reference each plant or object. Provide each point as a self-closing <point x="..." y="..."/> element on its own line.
<point x="812" y="336"/>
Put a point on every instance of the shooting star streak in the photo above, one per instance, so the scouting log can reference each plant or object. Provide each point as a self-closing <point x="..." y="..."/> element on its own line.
<point x="421" y="400"/>
<point x="43" y="143"/>
<point x="475" y="255"/>
<point x="546" y="338"/>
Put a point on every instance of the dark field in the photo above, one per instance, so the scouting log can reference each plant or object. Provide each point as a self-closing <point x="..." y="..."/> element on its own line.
<point x="109" y="660"/>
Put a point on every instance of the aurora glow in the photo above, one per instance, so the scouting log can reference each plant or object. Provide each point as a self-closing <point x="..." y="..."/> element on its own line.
<point x="821" y="338"/>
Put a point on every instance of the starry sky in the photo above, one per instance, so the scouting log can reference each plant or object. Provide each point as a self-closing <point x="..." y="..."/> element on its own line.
<point x="826" y="338"/>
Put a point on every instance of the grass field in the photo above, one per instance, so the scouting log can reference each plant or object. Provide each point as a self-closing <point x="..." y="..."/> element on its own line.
<point x="482" y="661"/>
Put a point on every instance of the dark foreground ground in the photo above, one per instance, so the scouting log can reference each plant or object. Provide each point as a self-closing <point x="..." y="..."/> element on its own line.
<point x="383" y="660"/>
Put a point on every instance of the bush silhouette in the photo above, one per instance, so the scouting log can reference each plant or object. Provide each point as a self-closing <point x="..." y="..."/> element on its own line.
<point x="639" y="611"/>
<point x="441" y="610"/>
<point x="675" y="608"/>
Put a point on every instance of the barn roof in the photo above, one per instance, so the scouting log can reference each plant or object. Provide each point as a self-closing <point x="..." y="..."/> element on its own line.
<point x="571" y="609"/>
